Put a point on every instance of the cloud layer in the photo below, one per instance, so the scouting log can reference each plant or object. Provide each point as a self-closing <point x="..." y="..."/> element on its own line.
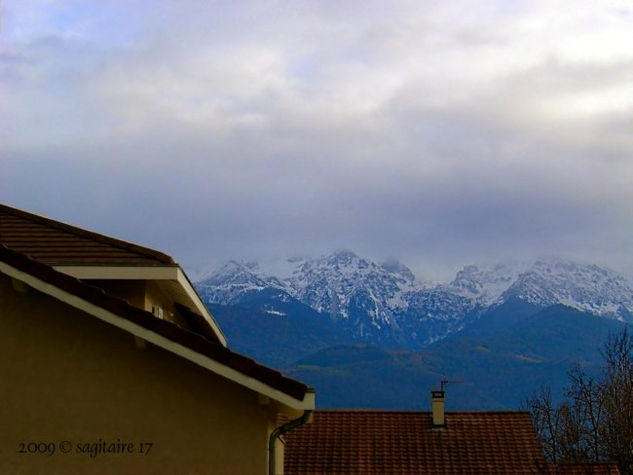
<point x="438" y="133"/>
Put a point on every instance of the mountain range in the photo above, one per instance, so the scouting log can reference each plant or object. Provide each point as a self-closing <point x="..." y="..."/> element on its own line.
<point x="383" y="302"/>
<point x="341" y="322"/>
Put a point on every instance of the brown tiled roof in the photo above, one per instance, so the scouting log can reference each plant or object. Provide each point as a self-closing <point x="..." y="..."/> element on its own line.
<point x="56" y="243"/>
<point x="384" y="442"/>
<point x="585" y="468"/>
<point x="188" y="339"/>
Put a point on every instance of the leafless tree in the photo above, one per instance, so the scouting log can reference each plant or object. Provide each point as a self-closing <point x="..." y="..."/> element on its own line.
<point x="546" y="418"/>
<point x="618" y="400"/>
<point x="595" y="421"/>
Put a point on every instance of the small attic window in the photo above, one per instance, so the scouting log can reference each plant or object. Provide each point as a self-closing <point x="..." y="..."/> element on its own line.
<point x="157" y="311"/>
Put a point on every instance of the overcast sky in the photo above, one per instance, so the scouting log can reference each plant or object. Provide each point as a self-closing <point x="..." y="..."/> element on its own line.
<point x="439" y="133"/>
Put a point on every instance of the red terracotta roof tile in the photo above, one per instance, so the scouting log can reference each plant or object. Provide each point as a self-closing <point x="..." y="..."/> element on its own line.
<point x="383" y="442"/>
<point x="586" y="468"/>
<point x="55" y="243"/>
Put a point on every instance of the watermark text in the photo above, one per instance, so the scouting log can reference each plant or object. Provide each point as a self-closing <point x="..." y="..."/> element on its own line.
<point x="90" y="448"/>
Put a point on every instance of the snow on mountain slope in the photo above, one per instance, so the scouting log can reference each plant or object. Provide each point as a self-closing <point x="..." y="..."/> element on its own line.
<point x="332" y="283"/>
<point x="585" y="287"/>
<point x="233" y="280"/>
<point x="486" y="285"/>
<point x="435" y="313"/>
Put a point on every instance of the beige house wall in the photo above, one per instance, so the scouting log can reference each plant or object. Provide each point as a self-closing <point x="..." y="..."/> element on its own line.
<point x="154" y="296"/>
<point x="68" y="379"/>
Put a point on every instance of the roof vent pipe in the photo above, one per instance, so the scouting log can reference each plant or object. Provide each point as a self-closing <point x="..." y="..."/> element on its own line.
<point x="437" y="406"/>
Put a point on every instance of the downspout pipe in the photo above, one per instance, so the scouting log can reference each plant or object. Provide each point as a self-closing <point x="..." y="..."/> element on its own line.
<point x="279" y="431"/>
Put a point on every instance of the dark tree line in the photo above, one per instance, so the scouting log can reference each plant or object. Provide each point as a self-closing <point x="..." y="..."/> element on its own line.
<point x="595" y="420"/>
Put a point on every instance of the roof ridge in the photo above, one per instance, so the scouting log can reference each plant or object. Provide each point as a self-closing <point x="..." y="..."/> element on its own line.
<point x="102" y="238"/>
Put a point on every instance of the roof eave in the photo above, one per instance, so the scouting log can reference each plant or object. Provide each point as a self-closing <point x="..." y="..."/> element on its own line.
<point x="305" y="403"/>
<point x="154" y="272"/>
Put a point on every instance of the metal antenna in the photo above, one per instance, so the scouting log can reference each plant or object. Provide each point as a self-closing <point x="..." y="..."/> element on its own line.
<point x="445" y="382"/>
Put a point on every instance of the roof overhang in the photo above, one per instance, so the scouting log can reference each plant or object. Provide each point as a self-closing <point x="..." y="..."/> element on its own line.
<point x="307" y="403"/>
<point x="168" y="272"/>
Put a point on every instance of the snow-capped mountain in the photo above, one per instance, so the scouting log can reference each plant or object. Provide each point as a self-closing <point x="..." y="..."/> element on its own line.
<point x="233" y="280"/>
<point x="585" y="287"/>
<point x="434" y="313"/>
<point x="385" y="303"/>
<point x="368" y="298"/>
<point x="335" y="284"/>
<point x="485" y="285"/>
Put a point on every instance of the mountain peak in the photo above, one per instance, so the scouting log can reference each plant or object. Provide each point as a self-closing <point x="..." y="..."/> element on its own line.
<point x="234" y="279"/>
<point x="586" y="287"/>
<point x="485" y="284"/>
<point x="233" y="268"/>
<point x="393" y="266"/>
<point x="343" y="255"/>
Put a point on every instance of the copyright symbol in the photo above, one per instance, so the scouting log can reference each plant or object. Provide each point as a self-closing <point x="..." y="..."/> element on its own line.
<point x="65" y="446"/>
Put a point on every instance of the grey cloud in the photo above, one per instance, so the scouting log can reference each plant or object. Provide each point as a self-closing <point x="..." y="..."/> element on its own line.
<point x="228" y="134"/>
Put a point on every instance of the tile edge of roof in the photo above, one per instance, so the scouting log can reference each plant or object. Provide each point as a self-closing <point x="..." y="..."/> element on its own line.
<point x="73" y="229"/>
